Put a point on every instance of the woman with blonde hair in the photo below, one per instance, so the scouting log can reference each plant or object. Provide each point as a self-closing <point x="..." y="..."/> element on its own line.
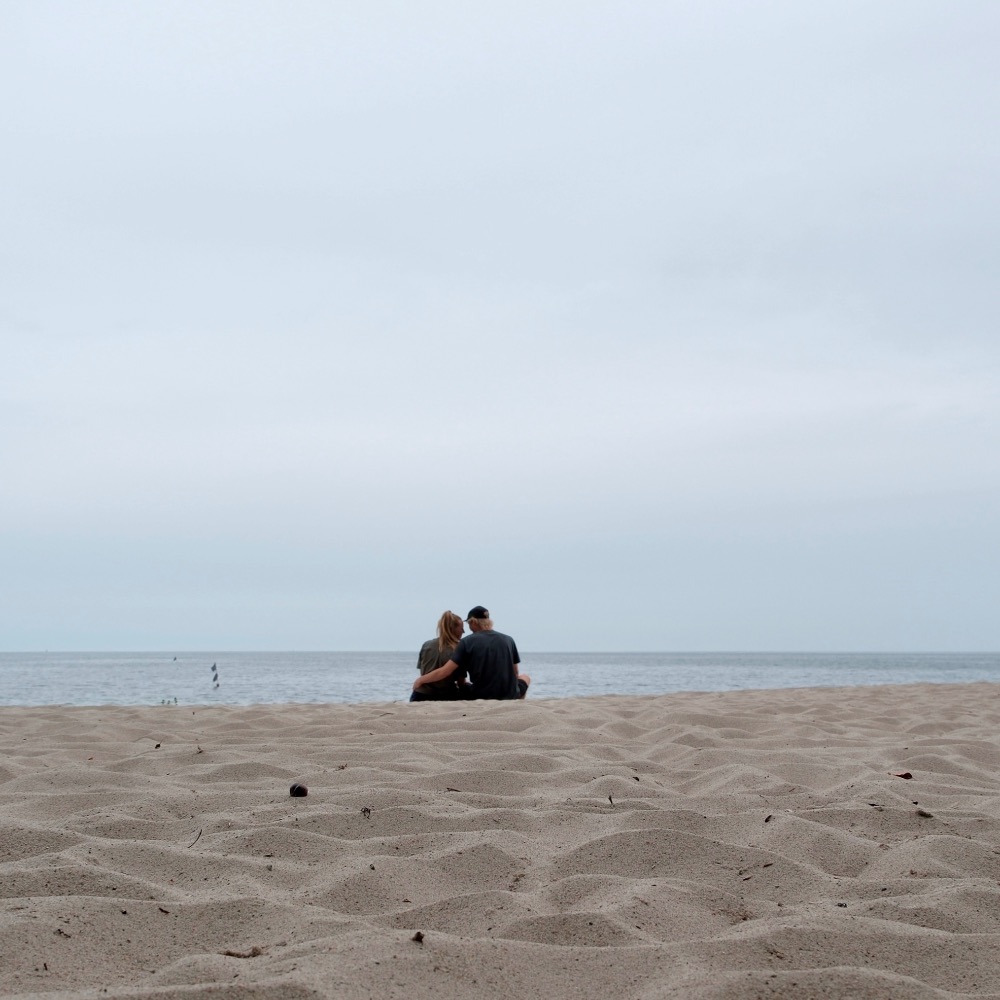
<point x="435" y="653"/>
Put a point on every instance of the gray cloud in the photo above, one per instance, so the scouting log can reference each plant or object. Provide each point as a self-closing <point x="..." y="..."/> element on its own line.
<point x="651" y="326"/>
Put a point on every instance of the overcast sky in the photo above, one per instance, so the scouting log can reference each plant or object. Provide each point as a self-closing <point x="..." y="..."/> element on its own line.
<point x="651" y="326"/>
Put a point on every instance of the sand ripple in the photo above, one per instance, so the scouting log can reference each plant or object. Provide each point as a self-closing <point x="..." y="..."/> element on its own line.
<point x="752" y="844"/>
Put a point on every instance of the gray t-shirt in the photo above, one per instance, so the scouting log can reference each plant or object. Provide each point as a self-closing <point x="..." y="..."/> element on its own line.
<point x="430" y="659"/>
<point x="489" y="658"/>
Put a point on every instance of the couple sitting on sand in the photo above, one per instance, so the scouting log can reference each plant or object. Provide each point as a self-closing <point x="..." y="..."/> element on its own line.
<point x="482" y="664"/>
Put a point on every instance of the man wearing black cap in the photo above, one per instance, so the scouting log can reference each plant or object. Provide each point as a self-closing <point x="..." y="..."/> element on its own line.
<point x="489" y="658"/>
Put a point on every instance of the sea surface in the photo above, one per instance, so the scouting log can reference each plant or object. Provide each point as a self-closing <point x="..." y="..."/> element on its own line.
<point x="242" y="678"/>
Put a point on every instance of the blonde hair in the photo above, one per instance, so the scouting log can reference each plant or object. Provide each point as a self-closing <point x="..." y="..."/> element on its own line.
<point x="450" y="628"/>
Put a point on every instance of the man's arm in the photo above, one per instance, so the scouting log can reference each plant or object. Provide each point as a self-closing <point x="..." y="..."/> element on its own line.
<point x="440" y="674"/>
<point x="522" y="678"/>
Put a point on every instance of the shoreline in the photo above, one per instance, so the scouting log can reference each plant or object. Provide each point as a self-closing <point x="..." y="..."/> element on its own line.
<point x="532" y="697"/>
<point x="256" y="679"/>
<point x="706" y="844"/>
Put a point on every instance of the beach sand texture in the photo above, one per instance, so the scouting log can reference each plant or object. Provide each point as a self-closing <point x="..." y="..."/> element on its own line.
<point x="740" y="844"/>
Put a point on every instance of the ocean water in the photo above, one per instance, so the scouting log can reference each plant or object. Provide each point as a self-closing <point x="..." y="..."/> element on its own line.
<point x="260" y="677"/>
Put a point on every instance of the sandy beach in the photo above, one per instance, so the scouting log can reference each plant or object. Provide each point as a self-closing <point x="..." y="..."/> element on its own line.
<point x="840" y="842"/>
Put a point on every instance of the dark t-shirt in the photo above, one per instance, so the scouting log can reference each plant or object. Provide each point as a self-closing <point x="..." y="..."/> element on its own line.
<point x="488" y="658"/>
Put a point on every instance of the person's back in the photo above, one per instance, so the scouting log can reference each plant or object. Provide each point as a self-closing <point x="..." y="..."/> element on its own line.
<point x="489" y="658"/>
<point x="435" y="653"/>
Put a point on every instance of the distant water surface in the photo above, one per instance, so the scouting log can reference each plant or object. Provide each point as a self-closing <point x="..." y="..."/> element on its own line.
<point x="260" y="678"/>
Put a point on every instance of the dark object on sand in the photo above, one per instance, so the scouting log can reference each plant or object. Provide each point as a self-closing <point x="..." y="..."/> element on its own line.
<point x="297" y="791"/>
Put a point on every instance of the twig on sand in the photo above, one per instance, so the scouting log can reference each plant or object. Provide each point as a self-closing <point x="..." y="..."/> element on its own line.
<point x="254" y="952"/>
<point x="195" y="841"/>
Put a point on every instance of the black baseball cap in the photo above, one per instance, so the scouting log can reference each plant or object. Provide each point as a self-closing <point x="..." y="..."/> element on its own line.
<point x="478" y="612"/>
